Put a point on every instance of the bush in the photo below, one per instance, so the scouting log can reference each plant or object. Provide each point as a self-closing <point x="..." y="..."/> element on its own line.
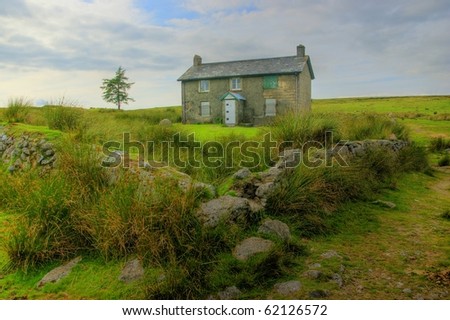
<point x="17" y="110"/>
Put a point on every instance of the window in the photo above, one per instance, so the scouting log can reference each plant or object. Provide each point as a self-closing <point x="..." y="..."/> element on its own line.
<point x="271" y="109"/>
<point x="235" y="84"/>
<point x="203" y="86"/>
<point x="205" y="110"/>
<point x="270" y="82"/>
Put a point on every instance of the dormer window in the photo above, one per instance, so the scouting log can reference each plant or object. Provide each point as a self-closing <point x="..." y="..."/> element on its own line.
<point x="203" y="86"/>
<point x="235" y="84"/>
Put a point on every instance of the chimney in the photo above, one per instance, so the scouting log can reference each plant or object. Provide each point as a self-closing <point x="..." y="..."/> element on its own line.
<point x="300" y="50"/>
<point x="197" y="60"/>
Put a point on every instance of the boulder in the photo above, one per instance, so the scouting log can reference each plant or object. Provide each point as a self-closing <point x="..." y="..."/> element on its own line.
<point x="59" y="273"/>
<point x="288" y="288"/>
<point x="264" y="190"/>
<point x="224" y="208"/>
<point x="290" y="158"/>
<point x="251" y="246"/>
<point x="275" y="227"/>
<point x="132" y="271"/>
<point x="242" y="174"/>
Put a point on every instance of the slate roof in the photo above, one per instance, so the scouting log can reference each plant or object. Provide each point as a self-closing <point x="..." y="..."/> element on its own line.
<point x="269" y="66"/>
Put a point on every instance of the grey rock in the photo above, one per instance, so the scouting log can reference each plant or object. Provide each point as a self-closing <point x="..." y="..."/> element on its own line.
<point x="11" y="169"/>
<point x="289" y="159"/>
<point x="45" y="162"/>
<point x="26" y="151"/>
<point x="59" y="273"/>
<point x="330" y="254"/>
<point x="386" y="204"/>
<point x="205" y="186"/>
<point x="315" y="266"/>
<point x="319" y="294"/>
<point x="312" y="274"/>
<point x="242" y="174"/>
<point x="49" y="152"/>
<point x="265" y="190"/>
<point x="2" y="147"/>
<point x="271" y="175"/>
<point x="275" y="227"/>
<point x="224" y="208"/>
<point x="230" y="293"/>
<point x="288" y="288"/>
<point x="251" y="246"/>
<point x="132" y="271"/>
<point x="336" y="278"/>
<point x="46" y="146"/>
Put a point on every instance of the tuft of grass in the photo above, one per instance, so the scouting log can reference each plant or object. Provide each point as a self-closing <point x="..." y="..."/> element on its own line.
<point x="438" y="144"/>
<point x="446" y="214"/>
<point x="63" y="118"/>
<point x="17" y="110"/>
<point x="297" y="128"/>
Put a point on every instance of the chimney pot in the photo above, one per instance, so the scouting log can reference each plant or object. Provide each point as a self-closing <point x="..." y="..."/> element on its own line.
<point x="197" y="60"/>
<point x="300" y="50"/>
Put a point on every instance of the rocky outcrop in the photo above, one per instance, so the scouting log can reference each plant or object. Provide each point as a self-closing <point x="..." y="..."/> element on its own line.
<point x="26" y="152"/>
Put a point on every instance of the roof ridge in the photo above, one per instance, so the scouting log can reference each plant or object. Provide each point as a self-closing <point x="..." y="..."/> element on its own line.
<point x="244" y="60"/>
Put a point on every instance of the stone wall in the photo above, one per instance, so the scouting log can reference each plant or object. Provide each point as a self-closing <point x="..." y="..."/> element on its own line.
<point x="26" y="152"/>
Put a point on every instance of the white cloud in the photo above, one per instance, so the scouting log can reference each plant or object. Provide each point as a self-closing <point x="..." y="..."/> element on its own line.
<point x="51" y="48"/>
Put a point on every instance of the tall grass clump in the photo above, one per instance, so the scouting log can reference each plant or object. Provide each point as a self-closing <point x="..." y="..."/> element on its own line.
<point x="439" y="144"/>
<point x="44" y="229"/>
<point x="296" y="128"/>
<point x="17" y="110"/>
<point x="372" y="126"/>
<point x="63" y="118"/>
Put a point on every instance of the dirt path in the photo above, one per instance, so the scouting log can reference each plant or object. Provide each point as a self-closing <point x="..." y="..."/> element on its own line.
<point x="408" y="255"/>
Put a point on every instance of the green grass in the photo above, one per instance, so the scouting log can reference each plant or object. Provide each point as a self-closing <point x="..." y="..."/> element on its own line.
<point x="426" y="105"/>
<point x="380" y="248"/>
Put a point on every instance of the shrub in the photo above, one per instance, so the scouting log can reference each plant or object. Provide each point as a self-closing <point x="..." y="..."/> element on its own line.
<point x="17" y="110"/>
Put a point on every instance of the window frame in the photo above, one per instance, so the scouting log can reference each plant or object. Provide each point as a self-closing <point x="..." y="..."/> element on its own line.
<point x="272" y="79"/>
<point x="202" y="104"/>
<point x="201" y="88"/>
<point x="238" y="81"/>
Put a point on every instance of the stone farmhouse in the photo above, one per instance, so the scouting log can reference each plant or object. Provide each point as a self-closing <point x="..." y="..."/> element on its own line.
<point x="249" y="92"/>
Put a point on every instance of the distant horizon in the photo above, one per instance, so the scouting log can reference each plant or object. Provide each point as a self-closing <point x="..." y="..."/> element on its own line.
<point x="358" y="49"/>
<point x="124" y="107"/>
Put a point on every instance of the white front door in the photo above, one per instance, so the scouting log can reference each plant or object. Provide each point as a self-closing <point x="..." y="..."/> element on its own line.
<point x="230" y="112"/>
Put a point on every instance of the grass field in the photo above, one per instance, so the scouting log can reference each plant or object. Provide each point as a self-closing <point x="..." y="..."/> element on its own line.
<point x="400" y="253"/>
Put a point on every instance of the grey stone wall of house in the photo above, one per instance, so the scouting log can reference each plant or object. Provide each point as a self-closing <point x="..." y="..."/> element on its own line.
<point x="305" y="90"/>
<point x="290" y="88"/>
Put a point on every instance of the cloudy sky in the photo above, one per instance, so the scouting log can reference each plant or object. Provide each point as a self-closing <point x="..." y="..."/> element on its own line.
<point x="55" y="48"/>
